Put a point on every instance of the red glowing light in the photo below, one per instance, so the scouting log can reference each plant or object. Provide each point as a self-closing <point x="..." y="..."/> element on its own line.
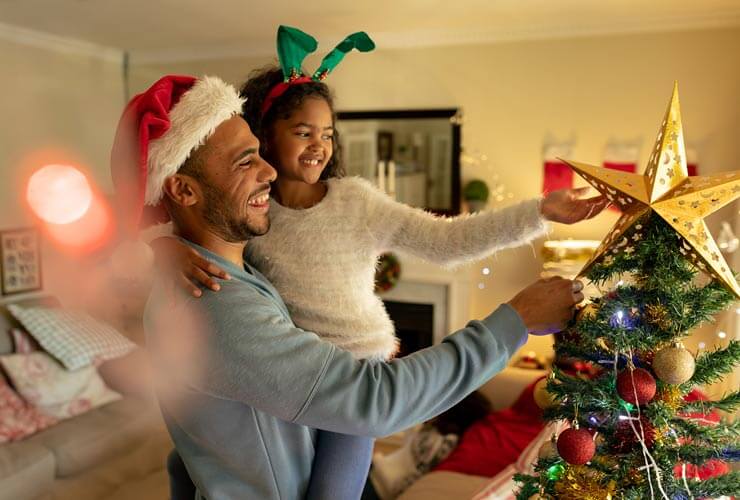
<point x="59" y="194"/>
<point x="86" y="234"/>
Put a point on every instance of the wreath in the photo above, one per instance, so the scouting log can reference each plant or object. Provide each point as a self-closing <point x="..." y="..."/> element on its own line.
<point x="387" y="272"/>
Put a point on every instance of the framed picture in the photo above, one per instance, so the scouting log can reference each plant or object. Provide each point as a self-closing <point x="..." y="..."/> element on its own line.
<point x="385" y="146"/>
<point x="20" y="260"/>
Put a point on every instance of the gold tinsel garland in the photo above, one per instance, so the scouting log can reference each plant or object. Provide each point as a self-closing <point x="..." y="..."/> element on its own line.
<point x="671" y="395"/>
<point x="657" y="314"/>
<point x="582" y="483"/>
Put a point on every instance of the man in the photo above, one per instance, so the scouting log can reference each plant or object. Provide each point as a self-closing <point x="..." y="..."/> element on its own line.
<point x="240" y="387"/>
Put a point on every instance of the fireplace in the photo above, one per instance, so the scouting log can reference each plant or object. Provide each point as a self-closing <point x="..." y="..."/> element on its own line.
<point x="414" y="325"/>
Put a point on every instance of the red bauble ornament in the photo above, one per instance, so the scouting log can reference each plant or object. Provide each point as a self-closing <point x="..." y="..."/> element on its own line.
<point x="637" y="382"/>
<point x="576" y="446"/>
<point x="625" y="440"/>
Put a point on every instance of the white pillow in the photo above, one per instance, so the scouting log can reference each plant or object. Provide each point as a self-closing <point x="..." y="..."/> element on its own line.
<point x="54" y="391"/>
<point x="74" y="338"/>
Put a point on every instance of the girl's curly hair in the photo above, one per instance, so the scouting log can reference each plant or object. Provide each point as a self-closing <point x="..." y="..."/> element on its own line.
<point x="255" y="90"/>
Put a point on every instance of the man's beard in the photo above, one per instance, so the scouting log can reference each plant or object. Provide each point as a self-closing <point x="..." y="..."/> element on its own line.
<point x="223" y="221"/>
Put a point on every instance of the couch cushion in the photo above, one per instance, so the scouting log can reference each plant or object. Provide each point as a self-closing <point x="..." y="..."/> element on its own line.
<point x="26" y="470"/>
<point x="7" y="321"/>
<point x="86" y="440"/>
<point x="497" y="440"/>
<point x="73" y="337"/>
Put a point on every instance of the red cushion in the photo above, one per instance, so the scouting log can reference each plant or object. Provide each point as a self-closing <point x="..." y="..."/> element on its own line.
<point x="494" y="442"/>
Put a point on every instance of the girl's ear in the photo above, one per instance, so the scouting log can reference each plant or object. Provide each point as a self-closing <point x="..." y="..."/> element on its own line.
<point x="182" y="190"/>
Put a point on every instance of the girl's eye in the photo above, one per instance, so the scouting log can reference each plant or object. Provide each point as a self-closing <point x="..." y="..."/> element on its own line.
<point x="328" y="137"/>
<point x="302" y="134"/>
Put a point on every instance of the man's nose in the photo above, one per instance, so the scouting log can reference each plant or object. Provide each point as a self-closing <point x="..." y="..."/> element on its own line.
<point x="267" y="172"/>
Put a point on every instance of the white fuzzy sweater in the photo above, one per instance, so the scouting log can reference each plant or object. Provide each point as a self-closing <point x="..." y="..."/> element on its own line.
<point x="322" y="259"/>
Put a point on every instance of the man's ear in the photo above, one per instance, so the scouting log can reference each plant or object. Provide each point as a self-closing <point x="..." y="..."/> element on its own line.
<point x="182" y="190"/>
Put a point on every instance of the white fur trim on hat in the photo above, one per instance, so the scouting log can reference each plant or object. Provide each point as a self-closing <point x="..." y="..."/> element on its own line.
<point x="208" y="103"/>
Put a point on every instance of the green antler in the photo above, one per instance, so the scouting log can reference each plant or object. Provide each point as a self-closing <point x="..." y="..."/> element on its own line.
<point x="360" y="41"/>
<point x="293" y="45"/>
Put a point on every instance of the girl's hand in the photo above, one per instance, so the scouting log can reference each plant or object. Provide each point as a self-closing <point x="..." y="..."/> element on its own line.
<point x="186" y="266"/>
<point x="566" y="207"/>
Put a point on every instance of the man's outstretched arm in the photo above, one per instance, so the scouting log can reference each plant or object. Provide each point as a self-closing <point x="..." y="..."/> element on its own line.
<point x="256" y="356"/>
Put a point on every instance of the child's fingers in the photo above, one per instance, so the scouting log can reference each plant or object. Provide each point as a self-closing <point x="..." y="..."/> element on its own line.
<point x="578" y="192"/>
<point x="189" y="286"/>
<point x="210" y="267"/>
<point x="198" y="275"/>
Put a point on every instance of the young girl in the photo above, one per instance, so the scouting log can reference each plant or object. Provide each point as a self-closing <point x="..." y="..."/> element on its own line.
<point x="327" y="232"/>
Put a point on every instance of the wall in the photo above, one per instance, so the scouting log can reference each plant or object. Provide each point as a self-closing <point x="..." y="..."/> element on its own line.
<point x="60" y="104"/>
<point x="514" y="95"/>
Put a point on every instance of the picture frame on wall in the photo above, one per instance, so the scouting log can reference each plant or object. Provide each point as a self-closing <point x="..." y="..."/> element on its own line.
<point x="20" y="261"/>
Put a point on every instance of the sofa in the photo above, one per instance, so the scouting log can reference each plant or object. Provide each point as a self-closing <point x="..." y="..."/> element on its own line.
<point x="501" y="391"/>
<point x="115" y="452"/>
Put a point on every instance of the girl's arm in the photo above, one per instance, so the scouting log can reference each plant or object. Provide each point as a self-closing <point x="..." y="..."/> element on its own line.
<point x="456" y="240"/>
<point x="184" y="267"/>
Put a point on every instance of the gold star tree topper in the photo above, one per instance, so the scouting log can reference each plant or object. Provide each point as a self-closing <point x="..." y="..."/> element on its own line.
<point x="667" y="190"/>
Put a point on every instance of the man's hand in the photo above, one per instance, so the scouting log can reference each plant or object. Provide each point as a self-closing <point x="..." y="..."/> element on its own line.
<point x="566" y="207"/>
<point x="187" y="268"/>
<point x="546" y="306"/>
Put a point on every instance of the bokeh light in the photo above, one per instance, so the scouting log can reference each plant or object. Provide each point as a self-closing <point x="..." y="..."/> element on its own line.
<point x="86" y="234"/>
<point x="59" y="194"/>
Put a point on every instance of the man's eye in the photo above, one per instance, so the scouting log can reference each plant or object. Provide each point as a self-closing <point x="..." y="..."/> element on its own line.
<point x="246" y="163"/>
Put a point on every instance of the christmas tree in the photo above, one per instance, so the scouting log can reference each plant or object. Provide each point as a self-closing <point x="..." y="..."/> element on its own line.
<point x="637" y="429"/>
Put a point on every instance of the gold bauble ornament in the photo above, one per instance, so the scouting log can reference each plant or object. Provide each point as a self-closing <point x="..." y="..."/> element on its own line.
<point x="542" y="397"/>
<point x="536" y="496"/>
<point x="674" y="365"/>
<point x="548" y="450"/>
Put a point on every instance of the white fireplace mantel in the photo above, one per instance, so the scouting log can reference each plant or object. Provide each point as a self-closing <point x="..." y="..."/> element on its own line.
<point x="448" y="290"/>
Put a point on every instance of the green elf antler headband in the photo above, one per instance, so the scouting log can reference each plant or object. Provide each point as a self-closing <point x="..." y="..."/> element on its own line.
<point x="293" y="45"/>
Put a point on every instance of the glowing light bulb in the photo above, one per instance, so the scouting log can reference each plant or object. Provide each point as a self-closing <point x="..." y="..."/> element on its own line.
<point x="481" y="286"/>
<point x="722" y="335"/>
<point x="486" y="271"/>
<point x="59" y="194"/>
<point x="702" y="345"/>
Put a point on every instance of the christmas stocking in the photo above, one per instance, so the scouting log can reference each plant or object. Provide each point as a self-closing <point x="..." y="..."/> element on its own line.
<point x="557" y="175"/>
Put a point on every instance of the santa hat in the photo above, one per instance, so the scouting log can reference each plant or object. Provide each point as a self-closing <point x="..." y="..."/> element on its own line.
<point x="158" y="131"/>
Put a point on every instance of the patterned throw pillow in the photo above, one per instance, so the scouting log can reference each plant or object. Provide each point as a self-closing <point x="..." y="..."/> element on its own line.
<point x="23" y="343"/>
<point x="74" y="338"/>
<point x="54" y="391"/>
<point x="18" y="419"/>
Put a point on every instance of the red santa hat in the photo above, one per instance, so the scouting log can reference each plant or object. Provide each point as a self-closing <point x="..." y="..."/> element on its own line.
<point x="158" y="131"/>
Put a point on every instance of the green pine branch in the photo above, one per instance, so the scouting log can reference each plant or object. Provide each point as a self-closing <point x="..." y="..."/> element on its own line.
<point x="714" y="487"/>
<point x="729" y="404"/>
<point x="529" y="486"/>
<point x="723" y="433"/>
<point x="714" y="365"/>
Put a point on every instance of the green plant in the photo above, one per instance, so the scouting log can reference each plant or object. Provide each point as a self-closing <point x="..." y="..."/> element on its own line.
<point x="476" y="190"/>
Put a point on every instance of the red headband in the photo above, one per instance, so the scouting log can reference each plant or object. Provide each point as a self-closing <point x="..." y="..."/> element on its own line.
<point x="279" y="89"/>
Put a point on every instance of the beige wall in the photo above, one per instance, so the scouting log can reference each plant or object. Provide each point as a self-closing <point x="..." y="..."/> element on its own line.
<point x="514" y="95"/>
<point x="55" y="107"/>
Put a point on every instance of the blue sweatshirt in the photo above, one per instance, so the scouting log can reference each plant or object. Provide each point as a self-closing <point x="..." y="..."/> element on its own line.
<point x="242" y="388"/>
